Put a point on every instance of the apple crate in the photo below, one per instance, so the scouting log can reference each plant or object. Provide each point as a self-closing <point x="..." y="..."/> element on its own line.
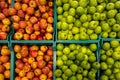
<point x="13" y="73"/>
<point x="109" y="54"/>
<point x="82" y="43"/>
<point x="37" y="33"/>
<point x="6" y="43"/>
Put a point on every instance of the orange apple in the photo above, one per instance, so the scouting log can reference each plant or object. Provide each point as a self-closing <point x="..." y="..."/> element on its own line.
<point x="44" y="48"/>
<point x="6" y="28"/>
<point x="49" y="29"/>
<point x="37" y="13"/>
<point x="29" y="29"/>
<point x="17" y="78"/>
<point x="21" y="14"/>
<point x="18" y="36"/>
<point x="22" y="73"/>
<point x="48" y="36"/>
<point x="33" y="36"/>
<point x="50" y="4"/>
<point x="40" y="53"/>
<point x="2" y="16"/>
<point x="7" y="74"/>
<point x="7" y="65"/>
<point x="43" y="24"/>
<point x="37" y="72"/>
<point x="24" y="53"/>
<point x="27" y="68"/>
<point x="24" y="7"/>
<point x="33" y="20"/>
<point x="38" y="58"/>
<point x="22" y="24"/>
<point x="26" y="36"/>
<point x="42" y="2"/>
<point x="42" y="9"/>
<point x="32" y="3"/>
<point x="50" y="20"/>
<point x="33" y="53"/>
<point x="43" y="77"/>
<point x="31" y="60"/>
<point x="24" y="78"/>
<point x="20" y="65"/>
<point x="15" y="26"/>
<point x="17" y="6"/>
<point x="6" y="12"/>
<point x="6" y="21"/>
<point x="12" y="11"/>
<point x="30" y="10"/>
<point x="45" y="15"/>
<point x="27" y="17"/>
<point x="21" y="30"/>
<point x="2" y="68"/>
<point x="34" y="65"/>
<point x="30" y="75"/>
<point x="3" y="35"/>
<point x="34" y="47"/>
<point x="15" y="18"/>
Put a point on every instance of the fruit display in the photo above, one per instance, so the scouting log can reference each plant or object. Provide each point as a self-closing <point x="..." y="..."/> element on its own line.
<point x="110" y="60"/>
<point x="76" y="62"/>
<point x="32" y="19"/>
<point x="86" y="19"/>
<point x="33" y="62"/>
<point x="4" y="62"/>
<point x="4" y="18"/>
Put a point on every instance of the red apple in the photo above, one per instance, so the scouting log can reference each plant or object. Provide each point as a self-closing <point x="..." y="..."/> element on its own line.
<point x="21" y="30"/>
<point x="6" y="12"/>
<point x="12" y="11"/>
<point x="33" y="53"/>
<point x="45" y="70"/>
<point x="29" y="29"/>
<point x="2" y="16"/>
<point x="21" y="14"/>
<point x="18" y="61"/>
<point x="18" y="36"/>
<point x="25" y="59"/>
<point x="43" y="24"/>
<point x="51" y="13"/>
<point x="33" y="20"/>
<point x="17" y="6"/>
<point x="35" y="78"/>
<point x="33" y="36"/>
<point x="41" y="64"/>
<point x="15" y="26"/>
<point x="30" y="10"/>
<point x="15" y="18"/>
<point x="3" y="35"/>
<point x="50" y="66"/>
<point x="2" y="68"/>
<point x="40" y="37"/>
<point x="24" y="7"/>
<point x="25" y="1"/>
<point x="25" y="47"/>
<point x="20" y="65"/>
<point x="50" y="52"/>
<point x="26" y="36"/>
<point x="22" y="24"/>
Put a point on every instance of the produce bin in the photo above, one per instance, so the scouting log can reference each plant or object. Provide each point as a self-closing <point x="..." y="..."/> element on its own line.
<point x="82" y="43"/>
<point x="13" y="66"/>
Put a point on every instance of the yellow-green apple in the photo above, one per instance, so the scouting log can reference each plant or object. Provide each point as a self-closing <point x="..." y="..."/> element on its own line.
<point x="18" y="36"/>
<point x="15" y="18"/>
<point x="26" y="36"/>
<point x="29" y="29"/>
<point x="2" y="16"/>
<point x="6" y="21"/>
<point x="17" y="6"/>
<point x="20" y="13"/>
<point x="48" y="36"/>
<point x="24" y="7"/>
<point x="33" y="36"/>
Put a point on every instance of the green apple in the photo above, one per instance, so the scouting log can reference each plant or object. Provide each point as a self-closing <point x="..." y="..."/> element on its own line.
<point x="104" y="34"/>
<point x="82" y="29"/>
<point x="73" y="78"/>
<point x="93" y="47"/>
<point x="66" y="6"/>
<point x="72" y="46"/>
<point x="96" y="65"/>
<point x="110" y="61"/>
<point x="70" y="19"/>
<point x="102" y="16"/>
<point x="103" y="57"/>
<point x="60" y="46"/>
<point x="84" y="73"/>
<point x="64" y="1"/>
<point x="64" y="26"/>
<point x="116" y="55"/>
<point x="74" y="4"/>
<point x="117" y="4"/>
<point x="58" y="2"/>
<point x="76" y="37"/>
<point x="58" y="78"/>
<point x="68" y="72"/>
<point x="118" y="34"/>
<point x="69" y="37"/>
<point x="117" y="64"/>
<point x="59" y="35"/>
<point x="83" y="49"/>
<point x="66" y="50"/>
<point x="118" y="16"/>
<point x="64" y="67"/>
<point x="105" y="26"/>
<point x="98" y="30"/>
<point x="58" y="72"/>
<point x="110" y="6"/>
<point x="111" y="13"/>
<point x="93" y="36"/>
<point x="79" y="77"/>
<point x="64" y="77"/>
<point x="104" y="4"/>
<point x="89" y="17"/>
<point x="106" y="46"/>
<point x="59" y="53"/>
<point x="90" y="31"/>
<point x="104" y="77"/>
<point x="117" y="76"/>
<point x="113" y="1"/>
<point x="91" y="58"/>
<point x="63" y="19"/>
<point x="72" y="11"/>
<point x="70" y="26"/>
<point x="77" y="23"/>
<point x="63" y="35"/>
<point x="83" y="36"/>
<point x="85" y="65"/>
<point x="91" y="75"/>
<point x="100" y="8"/>
<point x="92" y="10"/>
<point x="85" y="24"/>
<point x="96" y="16"/>
<point x="59" y="62"/>
<point x="111" y="21"/>
<point x="64" y="57"/>
<point x="100" y="1"/>
<point x="83" y="3"/>
<point x="103" y="66"/>
<point x="83" y="18"/>
<point x="80" y="10"/>
<point x="65" y="14"/>
<point x="114" y="43"/>
<point x="75" y="30"/>
<point x="93" y="24"/>
<point x="109" y="52"/>
<point x="93" y="3"/>
<point x="112" y="34"/>
<point x="59" y="17"/>
<point x="74" y="67"/>
<point x="59" y="25"/>
<point x="116" y="27"/>
<point x="59" y="10"/>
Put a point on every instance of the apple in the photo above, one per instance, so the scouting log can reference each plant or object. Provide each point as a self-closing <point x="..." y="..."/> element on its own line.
<point x="42" y="2"/>
<point x="27" y="68"/>
<point x="34" y="65"/>
<point x="2" y="69"/>
<point x="3" y="35"/>
<point x="36" y="27"/>
<point x="21" y="30"/>
<point x="22" y="24"/>
<point x="25" y="1"/>
<point x="5" y="28"/>
<point x="33" y="19"/>
<point x="38" y="58"/>
<point x="33" y="36"/>
<point x="26" y="36"/>
<point x="12" y="11"/>
<point x="18" y="56"/>
<point x="40" y="37"/>
<point x="18" y="36"/>
<point x="50" y="52"/>
<point x="41" y="64"/>
<point x="30" y="75"/>
<point x="20" y="13"/>
<point x="15" y="18"/>
<point x="27" y="17"/>
<point x="6" y="21"/>
<point x="30" y="10"/>
<point x="42" y="9"/>
<point x="32" y="3"/>
<point x="43" y="76"/>
<point x="48" y="36"/>
<point x="50" y="66"/>
<point x="50" y="74"/>
<point x="2" y="16"/>
<point x="22" y="73"/>
<point x="37" y="72"/>
<point x="25" y="47"/>
<point x="20" y="66"/>
<point x="29" y="29"/>
<point x="7" y="65"/>
<point x="35" y="78"/>
<point x="17" y="6"/>
<point x="40" y="53"/>
<point x="7" y="74"/>
<point x="37" y="13"/>
<point x="24" y="60"/>
<point x="45" y="15"/>
<point x="31" y="60"/>
<point x="49" y="29"/>
<point x="37" y="33"/>
<point x="24" y="7"/>
<point x="45" y="70"/>
<point x="46" y="58"/>
<point x="24" y="53"/>
<point x="17" y="78"/>
<point x="33" y="53"/>
<point x="44" y="48"/>
<point x="34" y="47"/>
<point x="43" y="23"/>
<point x="50" y="19"/>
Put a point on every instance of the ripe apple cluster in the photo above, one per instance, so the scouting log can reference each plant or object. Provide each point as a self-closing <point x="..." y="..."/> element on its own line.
<point x="32" y="19"/>
<point x="4" y="19"/>
<point x="76" y="62"/>
<point x="110" y="60"/>
<point x="86" y="19"/>
<point x="33" y="62"/>
<point x="4" y="62"/>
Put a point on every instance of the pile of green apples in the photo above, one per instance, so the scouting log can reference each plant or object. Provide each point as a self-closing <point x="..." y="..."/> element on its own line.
<point x="76" y="62"/>
<point x="86" y="19"/>
<point x="110" y="60"/>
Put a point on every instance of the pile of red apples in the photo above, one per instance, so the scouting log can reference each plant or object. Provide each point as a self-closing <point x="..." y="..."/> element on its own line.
<point x="32" y="19"/>
<point x="33" y="62"/>
<point x="4" y="18"/>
